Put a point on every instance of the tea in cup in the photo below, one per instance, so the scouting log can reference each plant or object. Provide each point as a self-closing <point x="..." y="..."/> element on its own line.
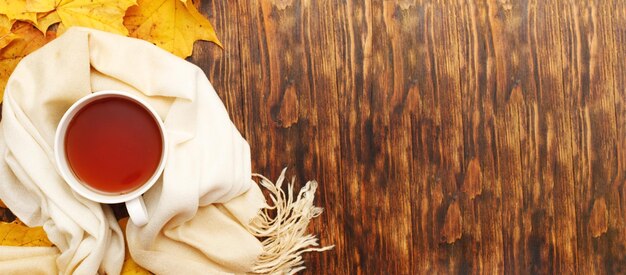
<point x="110" y="147"/>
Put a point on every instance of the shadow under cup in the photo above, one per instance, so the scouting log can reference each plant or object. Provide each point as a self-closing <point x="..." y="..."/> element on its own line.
<point x="110" y="147"/>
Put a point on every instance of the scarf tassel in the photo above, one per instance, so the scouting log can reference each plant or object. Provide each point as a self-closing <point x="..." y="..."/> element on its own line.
<point x="282" y="224"/>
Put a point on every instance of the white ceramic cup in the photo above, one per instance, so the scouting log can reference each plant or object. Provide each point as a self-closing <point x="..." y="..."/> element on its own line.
<point x="133" y="199"/>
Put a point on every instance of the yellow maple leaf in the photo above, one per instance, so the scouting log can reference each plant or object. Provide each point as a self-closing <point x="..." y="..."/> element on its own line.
<point x="103" y="15"/>
<point x="18" y="234"/>
<point x="6" y="36"/>
<point x="46" y="13"/>
<point x="170" y="24"/>
<point x="16" y="10"/>
<point x="106" y="15"/>
<point x="41" y="5"/>
<point x="29" y="39"/>
<point x="45" y="20"/>
<point x="130" y="267"/>
<point x="5" y="24"/>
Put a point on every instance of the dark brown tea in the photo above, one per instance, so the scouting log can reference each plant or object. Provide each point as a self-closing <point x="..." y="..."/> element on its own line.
<point x="113" y="145"/>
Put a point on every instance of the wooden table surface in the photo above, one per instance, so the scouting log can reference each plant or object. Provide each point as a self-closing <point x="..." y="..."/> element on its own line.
<point x="461" y="136"/>
<point x="452" y="136"/>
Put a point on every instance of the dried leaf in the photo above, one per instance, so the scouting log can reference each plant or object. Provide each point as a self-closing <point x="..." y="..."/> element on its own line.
<point x="18" y="234"/>
<point x="29" y="39"/>
<point x="16" y="10"/>
<point x="5" y="213"/>
<point x="170" y="24"/>
<point x="130" y="267"/>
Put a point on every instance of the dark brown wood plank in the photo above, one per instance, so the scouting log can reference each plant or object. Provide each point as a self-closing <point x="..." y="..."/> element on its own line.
<point x="617" y="250"/>
<point x="325" y="163"/>
<point x="290" y="104"/>
<point x="575" y="50"/>
<point x="349" y="20"/>
<point x="223" y="66"/>
<point x="444" y="42"/>
<point x="603" y="200"/>
<point x="525" y="248"/>
<point x="480" y="184"/>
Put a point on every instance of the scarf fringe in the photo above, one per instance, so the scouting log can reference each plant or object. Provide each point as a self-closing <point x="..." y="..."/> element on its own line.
<point x="282" y="227"/>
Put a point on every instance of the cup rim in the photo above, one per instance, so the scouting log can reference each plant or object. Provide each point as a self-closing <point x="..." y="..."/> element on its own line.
<point x="63" y="165"/>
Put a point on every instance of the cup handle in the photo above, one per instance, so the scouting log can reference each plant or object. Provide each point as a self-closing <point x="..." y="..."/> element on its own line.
<point x="137" y="211"/>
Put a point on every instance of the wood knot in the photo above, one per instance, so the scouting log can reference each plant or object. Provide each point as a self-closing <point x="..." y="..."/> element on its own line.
<point x="517" y="95"/>
<point x="406" y="4"/>
<point x="282" y="4"/>
<point x="453" y="224"/>
<point x="472" y="183"/>
<point x="598" y="222"/>
<point x="286" y="113"/>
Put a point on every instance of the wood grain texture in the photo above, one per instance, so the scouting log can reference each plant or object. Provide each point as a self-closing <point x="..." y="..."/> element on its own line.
<point x="448" y="136"/>
<point x="463" y="136"/>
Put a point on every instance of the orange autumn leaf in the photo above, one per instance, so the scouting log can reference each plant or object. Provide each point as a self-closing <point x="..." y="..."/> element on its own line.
<point x="18" y="234"/>
<point x="28" y="40"/>
<point x="130" y="267"/>
<point x="169" y="24"/>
